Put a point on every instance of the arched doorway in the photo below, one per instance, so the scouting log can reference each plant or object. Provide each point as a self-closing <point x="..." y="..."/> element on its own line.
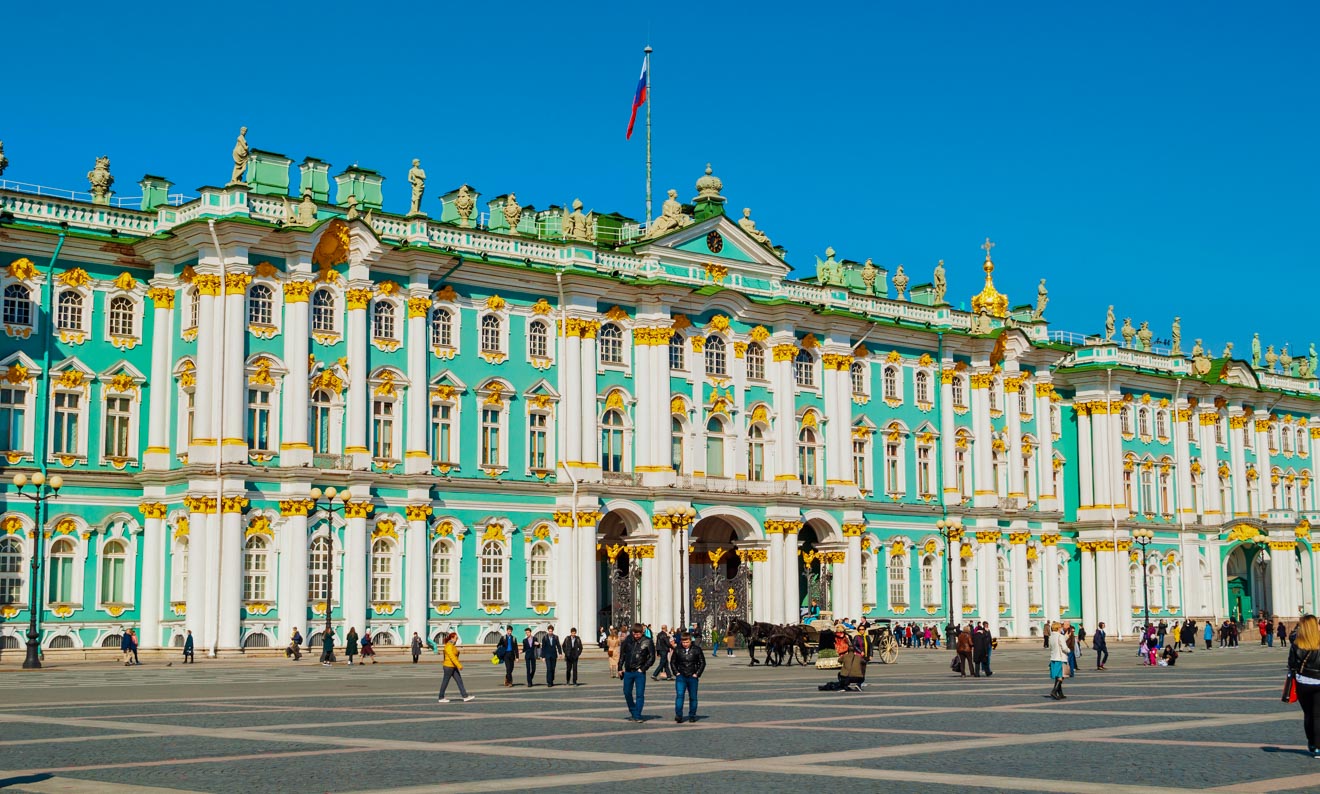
<point x="1247" y="573"/>
<point x="815" y="574"/>
<point x="719" y="581"/>
<point x="618" y="577"/>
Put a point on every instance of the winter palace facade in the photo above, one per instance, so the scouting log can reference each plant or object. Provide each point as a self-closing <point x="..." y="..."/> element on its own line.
<point x="541" y="416"/>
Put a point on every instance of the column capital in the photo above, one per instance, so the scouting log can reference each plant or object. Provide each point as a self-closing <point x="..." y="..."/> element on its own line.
<point x="417" y="512"/>
<point x="358" y="509"/>
<point x="296" y="507"/>
<point x="152" y="509"/>
<point x="162" y="297"/>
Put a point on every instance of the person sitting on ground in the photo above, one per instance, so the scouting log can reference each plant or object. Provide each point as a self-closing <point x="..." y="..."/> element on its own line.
<point x="852" y="671"/>
<point x="1170" y="655"/>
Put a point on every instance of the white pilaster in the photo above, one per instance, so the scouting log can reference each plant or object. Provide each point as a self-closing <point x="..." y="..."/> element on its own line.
<point x="206" y="425"/>
<point x="1021" y="596"/>
<point x="294" y="449"/>
<point x="1047" y="499"/>
<point x="571" y="399"/>
<point x="354" y="585"/>
<point x="664" y="571"/>
<point x="153" y="545"/>
<point x="1017" y="486"/>
<point x="586" y="544"/>
<point x="1085" y="459"/>
<point x="854" y="565"/>
<point x="1050" y="576"/>
<point x="591" y="470"/>
<point x="985" y="492"/>
<point x="293" y="567"/>
<point x="417" y="460"/>
<point x="200" y="510"/>
<point x="233" y="443"/>
<point x="157" y="455"/>
<point x="230" y="572"/>
<point x="417" y="584"/>
<point x="1090" y="606"/>
<point x="793" y="598"/>
<point x="775" y="609"/>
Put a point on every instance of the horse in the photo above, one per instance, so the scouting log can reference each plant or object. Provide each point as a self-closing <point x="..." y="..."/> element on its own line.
<point x="753" y="634"/>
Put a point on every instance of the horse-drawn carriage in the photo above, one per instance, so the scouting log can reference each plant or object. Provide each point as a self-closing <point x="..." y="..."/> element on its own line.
<point x="800" y="642"/>
<point x="884" y="646"/>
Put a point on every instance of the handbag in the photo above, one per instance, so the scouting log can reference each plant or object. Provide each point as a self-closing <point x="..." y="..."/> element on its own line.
<point x="1290" y="688"/>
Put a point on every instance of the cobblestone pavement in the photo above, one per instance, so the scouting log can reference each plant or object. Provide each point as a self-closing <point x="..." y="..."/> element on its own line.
<point x="1214" y="721"/>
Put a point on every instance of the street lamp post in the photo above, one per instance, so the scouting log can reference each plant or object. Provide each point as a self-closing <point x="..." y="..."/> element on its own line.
<point x="43" y="489"/>
<point x="950" y="530"/>
<point x="680" y="518"/>
<point x="329" y="494"/>
<point x="1143" y="538"/>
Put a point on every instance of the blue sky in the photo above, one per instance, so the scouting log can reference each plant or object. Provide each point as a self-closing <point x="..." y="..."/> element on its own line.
<point x="1161" y="157"/>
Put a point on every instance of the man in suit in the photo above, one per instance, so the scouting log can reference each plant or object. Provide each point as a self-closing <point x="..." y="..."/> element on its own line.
<point x="530" y="647"/>
<point x="981" y="650"/>
<point x="507" y="651"/>
<point x="572" y="650"/>
<point x="550" y="650"/>
<point x="1098" y="644"/>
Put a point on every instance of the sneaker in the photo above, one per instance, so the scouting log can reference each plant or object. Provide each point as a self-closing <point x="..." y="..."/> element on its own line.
<point x="469" y="698"/>
<point x="442" y="700"/>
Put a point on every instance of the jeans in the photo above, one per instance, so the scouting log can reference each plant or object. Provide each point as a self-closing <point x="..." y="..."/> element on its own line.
<point x="1308" y="697"/>
<point x="685" y="684"/>
<point x="1269" y="639"/>
<point x="1072" y="662"/>
<point x="570" y="670"/>
<point x="634" y="680"/>
<point x="1101" y="656"/>
<point x="452" y="672"/>
<point x="550" y="662"/>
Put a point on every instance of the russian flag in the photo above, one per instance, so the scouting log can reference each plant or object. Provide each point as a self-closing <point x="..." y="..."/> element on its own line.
<point x="639" y="98"/>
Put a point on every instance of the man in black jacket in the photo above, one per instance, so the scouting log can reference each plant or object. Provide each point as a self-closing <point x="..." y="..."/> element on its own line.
<point x="1099" y="645"/>
<point x="662" y="649"/>
<point x="636" y="655"/>
<point x="550" y="649"/>
<point x="572" y="651"/>
<point x="530" y="647"/>
<point x="687" y="663"/>
<point x="507" y="652"/>
<point x="981" y="650"/>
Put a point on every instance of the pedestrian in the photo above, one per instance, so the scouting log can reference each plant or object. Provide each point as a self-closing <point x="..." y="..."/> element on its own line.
<point x="964" y="645"/>
<point x="604" y="635"/>
<point x="126" y="647"/>
<point x="451" y="667"/>
<point x="530" y="649"/>
<point x="1058" y="657"/>
<point x="662" y="649"/>
<point x="1099" y="644"/>
<point x="188" y="656"/>
<point x="688" y="665"/>
<point x="981" y="649"/>
<point x="1071" y="641"/>
<point x="1304" y="664"/>
<point x="1264" y="629"/>
<point x="351" y="644"/>
<point x="572" y="652"/>
<point x="507" y="652"/>
<point x="368" y="649"/>
<point x="1283" y="634"/>
<point x="729" y="639"/>
<point x="294" y="651"/>
<point x="716" y="640"/>
<point x="416" y="647"/>
<point x="612" y="644"/>
<point x="1209" y="635"/>
<point x="550" y="650"/>
<point x="1081" y="637"/>
<point x="1047" y="635"/>
<point x="327" y="648"/>
<point x="134" y="647"/>
<point x="636" y="655"/>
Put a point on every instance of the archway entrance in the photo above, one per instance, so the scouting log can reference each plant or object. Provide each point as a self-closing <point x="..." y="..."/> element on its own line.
<point x="618" y="578"/>
<point x="815" y="575"/>
<point x="1247" y="574"/>
<point x="719" y="582"/>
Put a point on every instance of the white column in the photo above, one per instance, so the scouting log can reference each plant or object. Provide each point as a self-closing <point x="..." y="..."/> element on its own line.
<point x="1107" y="602"/>
<point x="1047" y="499"/>
<point x="774" y="593"/>
<point x="1263" y="464"/>
<point x="566" y="574"/>
<point x="1283" y="601"/>
<point x="200" y="509"/>
<point x="1017" y="486"/>
<point x="233" y="443"/>
<point x="1085" y="463"/>
<point x="162" y="391"/>
<point x="1049" y="572"/>
<point x="1021" y="596"/>
<point x="587" y="583"/>
<point x="570" y="384"/>
<point x="417" y="584"/>
<point x="855" y="574"/>
<point x="1090" y="607"/>
<point x="210" y="635"/>
<point x="1238" y="426"/>
<point x="664" y="571"/>
<point x="954" y="584"/>
<point x="359" y="396"/>
<point x="153" y="544"/>
<point x="644" y="413"/>
<point x="697" y="368"/>
<point x="293" y="568"/>
<point x="1215" y="512"/>
<point x="988" y="565"/>
<point x="985" y="492"/>
<point x="354" y="584"/>
<point x="762" y="593"/>
<point x="785" y="429"/>
<point x="1182" y="460"/>
<point x="230" y="572"/>
<point x="590" y="453"/>
<point x="661" y="418"/>
<point x="948" y="430"/>
<point x="1101" y="447"/>
<point x="416" y="459"/>
<point x="206" y="427"/>
<point x="792" y="598"/>
<point x="294" y="449"/>
<point x="1122" y="588"/>
<point x="651" y="576"/>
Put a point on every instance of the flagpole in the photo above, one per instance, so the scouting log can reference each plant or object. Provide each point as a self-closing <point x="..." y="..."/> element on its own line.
<point x="647" y="50"/>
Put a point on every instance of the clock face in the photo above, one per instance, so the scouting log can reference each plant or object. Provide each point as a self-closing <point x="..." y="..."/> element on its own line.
<point x="714" y="242"/>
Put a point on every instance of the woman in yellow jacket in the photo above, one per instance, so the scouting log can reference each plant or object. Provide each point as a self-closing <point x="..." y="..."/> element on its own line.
<point x="451" y="667"/>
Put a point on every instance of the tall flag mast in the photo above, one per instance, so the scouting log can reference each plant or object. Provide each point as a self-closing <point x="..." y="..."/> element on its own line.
<point x="643" y="97"/>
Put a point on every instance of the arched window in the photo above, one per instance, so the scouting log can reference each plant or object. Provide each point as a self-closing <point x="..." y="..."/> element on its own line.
<point x="1143" y="422"/>
<point x="194" y="297"/>
<point x="261" y="305"/>
<point x="11" y="570"/>
<point x="1003" y="580"/>
<point x="1063" y="580"/>
<point x="442" y="328"/>
<point x="1134" y="584"/>
<point x="491" y="328"/>
<point x="890" y="379"/>
<point x="69" y="311"/>
<point x="1125" y="420"/>
<point x="323" y="311"/>
<point x="808" y="452"/>
<point x="610" y="341"/>
<point x="717" y="362"/>
<point x="861" y="459"/>
<point x="1286" y="439"/>
<point x="538" y="573"/>
<point x="715" y="447"/>
<point x="676" y="443"/>
<point x="1033" y="583"/>
<point x="1148" y="490"/>
<point x="256" y="568"/>
<point x="1024" y="402"/>
<point x="756" y="453"/>
<point x="1171" y="587"/>
<point x="538" y="340"/>
<point x="382" y="320"/>
<point x="922" y="386"/>
<point x="382" y="428"/>
<point x="120" y="316"/>
<point x="319" y="419"/>
<point x="1162" y="424"/>
<point x="755" y="361"/>
<point x="17" y="305"/>
<point x="1155" y="584"/>
<point x="444" y="572"/>
<point x="967" y="582"/>
<point x="804" y="369"/>
<point x="492" y="572"/>
<point x="382" y="570"/>
<point x="958" y="390"/>
<point x="114" y="560"/>
<point x="930" y="588"/>
<point x="1166" y="495"/>
<point x="61" y="575"/>
<point x="898" y="580"/>
<point x="318" y="569"/>
<point x="179" y="570"/>
<point x="868" y="579"/>
<point x="857" y="371"/>
<point x="677" y="353"/>
<point x="611" y="441"/>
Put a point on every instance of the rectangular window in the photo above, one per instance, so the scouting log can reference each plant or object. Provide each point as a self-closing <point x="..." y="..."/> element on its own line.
<point x="440" y="571"/>
<point x="536" y="441"/>
<point x="258" y="419"/>
<point x="67" y="415"/>
<point x="61" y="580"/>
<point x="892" y="483"/>
<point x="13" y="415"/>
<point x="490" y="437"/>
<point x="442" y="432"/>
<point x="117" y="416"/>
<point x="925" y="484"/>
<point x="676" y="353"/>
<point x="859" y="464"/>
<point x="382" y="424"/>
<point x="898" y="581"/>
<point x="112" y="580"/>
<point x="382" y="577"/>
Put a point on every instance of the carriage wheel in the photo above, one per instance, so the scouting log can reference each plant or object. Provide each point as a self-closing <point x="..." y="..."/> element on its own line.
<point x="889" y="653"/>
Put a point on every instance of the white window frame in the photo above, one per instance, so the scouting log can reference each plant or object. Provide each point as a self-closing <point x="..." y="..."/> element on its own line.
<point x="76" y="586"/>
<point x="716" y="352"/>
<point x="930" y="584"/>
<point x="501" y="408"/>
<point x="129" y="315"/>
<point x="447" y="549"/>
<point x="958" y="392"/>
<point x="26" y="403"/>
<point x="755" y="352"/>
<point x="896" y="575"/>
<point x="610" y="339"/>
<point x="500" y="338"/>
<point x="336" y="326"/>
<point x="433" y="424"/>
<point x="544" y="578"/>
<point x="724" y="438"/>
<point x="815" y="447"/>
<point x="82" y="414"/>
<point x="678" y="350"/>
<point x="394" y="415"/>
<point x="388" y="579"/>
<point x="21" y="565"/>
<point x="253" y="574"/>
<point x="548" y="432"/>
<point x="804" y="370"/>
<point x="386" y="325"/>
<point x="14" y="308"/>
<point x="920" y="377"/>
<point x="179" y="548"/>
<point x="624" y="433"/>
<point x="858" y="373"/>
<point x="86" y="308"/>
<point x="545" y="328"/>
<point x="272" y="320"/>
<point x="437" y="342"/>
<point x="490" y="551"/>
<point x="119" y="530"/>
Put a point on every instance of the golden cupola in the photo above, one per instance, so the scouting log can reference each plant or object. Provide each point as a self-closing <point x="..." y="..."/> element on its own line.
<point x="990" y="299"/>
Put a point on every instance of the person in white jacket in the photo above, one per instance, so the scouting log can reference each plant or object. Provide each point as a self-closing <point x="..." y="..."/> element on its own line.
<point x="1058" y="660"/>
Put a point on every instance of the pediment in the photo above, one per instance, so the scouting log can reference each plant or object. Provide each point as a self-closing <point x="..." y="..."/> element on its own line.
<point x="720" y="241"/>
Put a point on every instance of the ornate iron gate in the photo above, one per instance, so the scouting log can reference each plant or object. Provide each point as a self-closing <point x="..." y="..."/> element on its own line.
<point x="715" y="597"/>
<point x="819" y="575"/>
<point x="625" y="587"/>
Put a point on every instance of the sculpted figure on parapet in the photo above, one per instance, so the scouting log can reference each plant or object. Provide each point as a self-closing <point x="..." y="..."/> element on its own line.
<point x="671" y="217"/>
<point x="240" y="157"/>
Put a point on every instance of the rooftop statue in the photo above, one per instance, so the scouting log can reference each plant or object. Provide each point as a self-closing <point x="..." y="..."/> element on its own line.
<point x="101" y="181"/>
<point x="981" y="321"/>
<point x="748" y="225"/>
<point x="1109" y="324"/>
<point x="4" y="161"/>
<point x="1128" y="332"/>
<point x="240" y="157"/>
<point x="463" y="204"/>
<point x="1197" y="350"/>
<point x="1228" y="350"/>
<point x="671" y="218"/>
<point x="353" y="213"/>
<point x="512" y="212"/>
<point x="1042" y="300"/>
<point x="941" y="286"/>
<point x="900" y="283"/>
<point x="576" y="225"/>
<point x="416" y="178"/>
<point x="869" y="274"/>
<point x="1285" y="361"/>
<point x="1303" y="367"/>
<point x="307" y="210"/>
<point x="1315" y="364"/>
<point x="1145" y="336"/>
<point x="1271" y="358"/>
<point x="829" y="271"/>
<point x="1176" y="348"/>
<point x="1255" y="350"/>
